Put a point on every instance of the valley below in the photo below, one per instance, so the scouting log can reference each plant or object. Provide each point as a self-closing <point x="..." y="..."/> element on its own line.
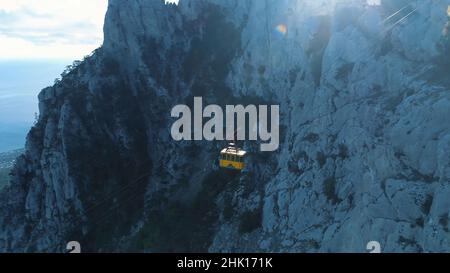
<point x="7" y="160"/>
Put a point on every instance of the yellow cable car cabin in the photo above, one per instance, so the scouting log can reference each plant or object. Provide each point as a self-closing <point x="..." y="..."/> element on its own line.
<point x="232" y="158"/>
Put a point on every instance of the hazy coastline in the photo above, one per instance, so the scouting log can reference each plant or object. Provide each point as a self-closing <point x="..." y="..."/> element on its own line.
<point x="20" y="83"/>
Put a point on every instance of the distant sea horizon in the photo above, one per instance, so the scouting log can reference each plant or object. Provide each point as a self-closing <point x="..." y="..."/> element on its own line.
<point x="20" y="83"/>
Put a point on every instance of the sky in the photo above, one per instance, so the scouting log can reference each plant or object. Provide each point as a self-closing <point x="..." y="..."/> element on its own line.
<point x="50" y="29"/>
<point x="53" y="29"/>
<point x="374" y="2"/>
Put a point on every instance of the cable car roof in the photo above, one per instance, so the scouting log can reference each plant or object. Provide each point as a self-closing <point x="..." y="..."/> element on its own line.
<point x="233" y="151"/>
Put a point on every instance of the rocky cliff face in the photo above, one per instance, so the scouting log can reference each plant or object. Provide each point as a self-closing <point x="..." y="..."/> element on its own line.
<point x="365" y="138"/>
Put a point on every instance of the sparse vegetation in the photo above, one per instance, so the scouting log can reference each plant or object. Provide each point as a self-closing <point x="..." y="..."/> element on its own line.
<point x="4" y="177"/>
<point x="309" y="244"/>
<point x="110" y="67"/>
<point x="409" y="242"/>
<point x="293" y="165"/>
<point x="71" y="68"/>
<point x="293" y="73"/>
<point x="228" y="210"/>
<point x="399" y="154"/>
<point x="303" y="155"/>
<point x="262" y="70"/>
<point x="426" y="206"/>
<point x="209" y="57"/>
<point x="420" y="222"/>
<point x="317" y="48"/>
<point x="164" y="230"/>
<point x="6" y="164"/>
<point x="329" y="189"/>
<point x="343" y="151"/>
<point x="443" y="221"/>
<point x="311" y="137"/>
<point x="186" y="227"/>
<point x="321" y="159"/>
<point x="392" y="102"/>
<point x="344" y="71"/>
<point x="250" y="221"/>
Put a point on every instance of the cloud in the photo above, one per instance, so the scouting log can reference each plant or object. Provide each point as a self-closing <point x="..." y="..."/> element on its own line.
<point x="18" y="48"/>
<point x="50" y="28"/>
<point x="374" y="2"/>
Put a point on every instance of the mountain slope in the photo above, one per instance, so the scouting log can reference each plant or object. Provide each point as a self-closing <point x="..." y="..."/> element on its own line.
<point x="364" y="137"/>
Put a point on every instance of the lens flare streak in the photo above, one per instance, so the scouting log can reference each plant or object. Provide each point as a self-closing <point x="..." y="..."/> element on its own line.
<point x="282" y="29"/>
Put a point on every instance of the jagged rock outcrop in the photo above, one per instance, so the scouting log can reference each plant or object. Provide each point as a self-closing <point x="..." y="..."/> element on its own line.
<point x="364" y="100"/>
